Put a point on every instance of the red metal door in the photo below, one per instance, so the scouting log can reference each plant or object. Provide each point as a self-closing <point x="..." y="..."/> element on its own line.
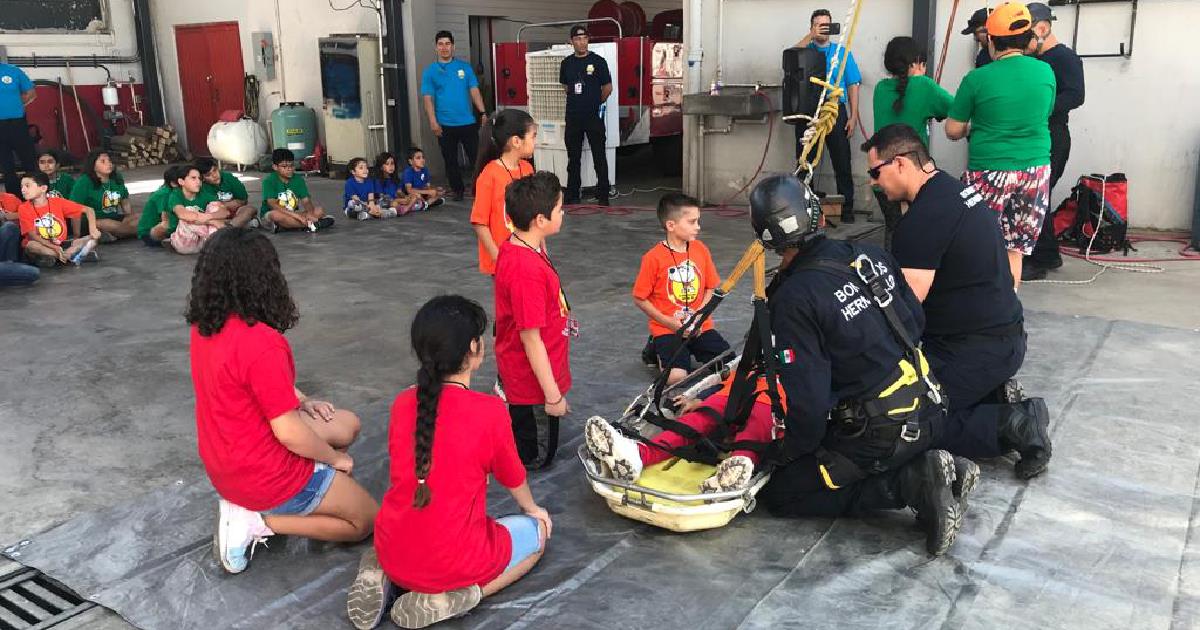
<point x="210" y="76"/>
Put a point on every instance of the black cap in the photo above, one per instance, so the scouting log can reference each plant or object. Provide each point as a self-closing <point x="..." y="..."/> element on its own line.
<point x="1040" y="12"/>
<point x="978" y="18"/>
<point x="578" y="30"/>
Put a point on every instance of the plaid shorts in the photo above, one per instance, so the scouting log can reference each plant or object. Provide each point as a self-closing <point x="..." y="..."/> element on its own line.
<point x="1021" y="200"/>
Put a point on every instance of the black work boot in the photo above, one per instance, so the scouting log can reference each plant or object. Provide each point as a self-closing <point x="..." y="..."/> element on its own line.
<point x="926" y="485"/>
<point x="1025" y="428"/>
<point x="966" y="476"/>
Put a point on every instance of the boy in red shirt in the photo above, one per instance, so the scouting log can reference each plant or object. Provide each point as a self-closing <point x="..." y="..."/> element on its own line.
<point x="676" y="279"/>
<point x="44" y="225"/>
<point x="533" y="324"/>
<point x="276" y="459"/>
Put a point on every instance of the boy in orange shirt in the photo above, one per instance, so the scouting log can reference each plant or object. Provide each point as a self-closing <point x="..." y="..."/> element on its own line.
<point x="677" y="278"/>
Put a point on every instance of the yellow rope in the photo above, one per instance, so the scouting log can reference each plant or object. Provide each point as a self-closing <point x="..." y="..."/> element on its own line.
<point x="754" y="254"/>
<point x="828" y="112"/>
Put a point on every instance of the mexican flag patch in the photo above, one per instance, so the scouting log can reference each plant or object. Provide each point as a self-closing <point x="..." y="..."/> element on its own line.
<point x="787" y="356"/>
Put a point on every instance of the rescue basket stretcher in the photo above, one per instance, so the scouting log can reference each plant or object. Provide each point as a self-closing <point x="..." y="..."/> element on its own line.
<point x="667" y="494"/>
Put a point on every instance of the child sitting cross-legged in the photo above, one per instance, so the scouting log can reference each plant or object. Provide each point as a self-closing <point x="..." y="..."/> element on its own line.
<point x="416" y="180"/>
<point x="44" y="228"/>
<point x="392" y="193"/>
<point x="434" y="536"/>
<point x="286" y="203"/>
<point x="360" y="196"/>
<point x="677" y="279"/>
<point x="276" y="459"/>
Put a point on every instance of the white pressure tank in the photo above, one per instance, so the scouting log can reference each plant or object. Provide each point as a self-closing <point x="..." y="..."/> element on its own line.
<point x="240" y="142"/>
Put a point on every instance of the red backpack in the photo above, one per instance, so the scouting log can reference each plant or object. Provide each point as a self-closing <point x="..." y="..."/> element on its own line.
<point x="1095" y="200"/>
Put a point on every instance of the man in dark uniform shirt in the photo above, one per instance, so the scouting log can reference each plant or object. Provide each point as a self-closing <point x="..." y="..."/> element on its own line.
<point x="952" y="255"/>
<point x="861" y="408"/>
<point x="977" y="29"/>
<point x="585" y="77"/>
<point x="1068" y="73"/>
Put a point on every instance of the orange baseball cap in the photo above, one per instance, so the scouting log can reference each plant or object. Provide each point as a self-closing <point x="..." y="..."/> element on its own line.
<point x="1010" y="18"/>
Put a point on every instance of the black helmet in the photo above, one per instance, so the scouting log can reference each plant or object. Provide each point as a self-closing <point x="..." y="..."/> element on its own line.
<point x="784" y="212"/>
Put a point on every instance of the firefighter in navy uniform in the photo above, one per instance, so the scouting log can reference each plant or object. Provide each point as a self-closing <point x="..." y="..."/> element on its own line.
<point x="862" y="404"/>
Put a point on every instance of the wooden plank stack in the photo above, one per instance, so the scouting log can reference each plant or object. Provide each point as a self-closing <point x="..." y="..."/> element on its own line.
<point x="146" y="146"/>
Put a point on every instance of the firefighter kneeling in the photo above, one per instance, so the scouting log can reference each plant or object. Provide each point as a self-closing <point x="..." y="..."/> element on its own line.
<point x="863" y="406"/>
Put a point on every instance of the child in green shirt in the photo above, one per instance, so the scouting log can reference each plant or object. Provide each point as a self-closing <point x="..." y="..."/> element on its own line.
<point x="194" y="213"/>
<point x="102" y="189"/>
<point x="230" y="191"/>
<point x="286" y="203"/>
<point x="154" y="226"/>
<point x="60" y="183"/>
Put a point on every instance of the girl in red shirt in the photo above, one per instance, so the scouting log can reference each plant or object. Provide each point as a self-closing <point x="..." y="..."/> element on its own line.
<point x="434" y="536"/>
<point x="276" y="459"/>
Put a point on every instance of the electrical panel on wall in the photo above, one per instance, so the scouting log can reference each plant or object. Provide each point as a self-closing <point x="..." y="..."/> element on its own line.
<point x="264" y="55"/>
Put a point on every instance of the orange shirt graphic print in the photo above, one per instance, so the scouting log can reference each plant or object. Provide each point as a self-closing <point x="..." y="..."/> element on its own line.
<point x="683" y="284"/>
<point x="50" y="228"/>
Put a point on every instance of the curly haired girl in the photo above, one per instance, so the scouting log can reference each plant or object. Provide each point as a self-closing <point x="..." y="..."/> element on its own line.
<point x="276" y="458"/>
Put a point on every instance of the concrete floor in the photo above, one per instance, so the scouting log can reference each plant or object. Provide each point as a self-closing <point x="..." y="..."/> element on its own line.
<point x="96" y="401"/>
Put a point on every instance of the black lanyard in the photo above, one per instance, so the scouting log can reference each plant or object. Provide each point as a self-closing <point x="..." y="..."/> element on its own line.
<point x="561" y="291"/>
<point x="520" y="171"/>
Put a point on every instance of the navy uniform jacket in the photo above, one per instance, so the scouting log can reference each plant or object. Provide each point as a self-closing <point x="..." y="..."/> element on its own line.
<point x="834" y="343"/>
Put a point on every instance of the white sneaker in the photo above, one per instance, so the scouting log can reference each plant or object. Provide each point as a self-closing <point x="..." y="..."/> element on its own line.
<point x="733" y="473"/>
<point x="388" y="213"/>
<point x="617" y="452"/>
<point x="420" y="610"/>
<point x="253" y="224"/>
<point x="238" y="531"/>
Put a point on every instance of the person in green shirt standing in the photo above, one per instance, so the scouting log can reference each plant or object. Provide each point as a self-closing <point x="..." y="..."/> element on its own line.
<point x="194" y="214"/>
<point x="1004" y="107"/>
<point x="154" y="226"/>
<point x="102" y="189"/>
<point x="908" y="97"/>
<point x="60" y="183"/>
<point x="230" y="191"/>
<point x="286" y="203"/>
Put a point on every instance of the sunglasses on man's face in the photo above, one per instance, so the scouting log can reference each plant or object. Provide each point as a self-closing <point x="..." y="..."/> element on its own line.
<point x="873" y="171"/>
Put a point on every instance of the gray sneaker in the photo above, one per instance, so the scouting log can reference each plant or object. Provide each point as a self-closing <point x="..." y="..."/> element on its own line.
<point x="371" y="594"/>
<point x="420" y="610"/>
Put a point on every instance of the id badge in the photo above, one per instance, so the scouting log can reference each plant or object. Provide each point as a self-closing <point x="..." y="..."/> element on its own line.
<point x="571" y="329"/>
<point x="579" y="88"/>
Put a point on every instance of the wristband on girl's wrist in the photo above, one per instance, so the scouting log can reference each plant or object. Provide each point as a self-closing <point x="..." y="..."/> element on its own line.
<point x="560" y="399"/>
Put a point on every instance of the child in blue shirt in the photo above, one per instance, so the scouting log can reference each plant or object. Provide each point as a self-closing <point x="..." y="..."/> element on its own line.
<point x="392" y="193"/>
<point x="360" y="195"/>
<point x="416" y="179"/>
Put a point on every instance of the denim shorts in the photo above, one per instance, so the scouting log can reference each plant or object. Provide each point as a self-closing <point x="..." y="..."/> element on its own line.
<point x="310" y="496"/>
<point x="525" y="539"/>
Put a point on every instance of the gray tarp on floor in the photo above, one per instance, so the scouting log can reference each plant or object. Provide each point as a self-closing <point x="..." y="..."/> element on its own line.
<point x="1102" y="541"/>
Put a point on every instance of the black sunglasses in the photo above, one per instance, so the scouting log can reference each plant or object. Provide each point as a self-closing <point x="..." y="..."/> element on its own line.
<point x="873" y="172"/>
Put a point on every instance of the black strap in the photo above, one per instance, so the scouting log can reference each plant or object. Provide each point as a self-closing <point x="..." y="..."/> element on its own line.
<point x="695" y="322"/>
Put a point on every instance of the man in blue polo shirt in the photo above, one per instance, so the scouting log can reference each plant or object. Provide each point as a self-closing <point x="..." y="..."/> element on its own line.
<point x="450" y="87"/>
<point x="16" y="91"/>
<point x="838" y="140"/>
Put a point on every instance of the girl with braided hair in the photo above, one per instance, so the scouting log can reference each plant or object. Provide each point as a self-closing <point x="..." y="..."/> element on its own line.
<point x="907" y="97"/>
<point x="433" y="536"/>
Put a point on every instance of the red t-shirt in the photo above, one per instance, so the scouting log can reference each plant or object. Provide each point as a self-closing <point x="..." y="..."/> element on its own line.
<point x="528" y="295"/>
<point x="674" y="281"/>
<point x="50" y="221"/>
<point x="452" y="542"/>
<point x="244" y="377"/>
